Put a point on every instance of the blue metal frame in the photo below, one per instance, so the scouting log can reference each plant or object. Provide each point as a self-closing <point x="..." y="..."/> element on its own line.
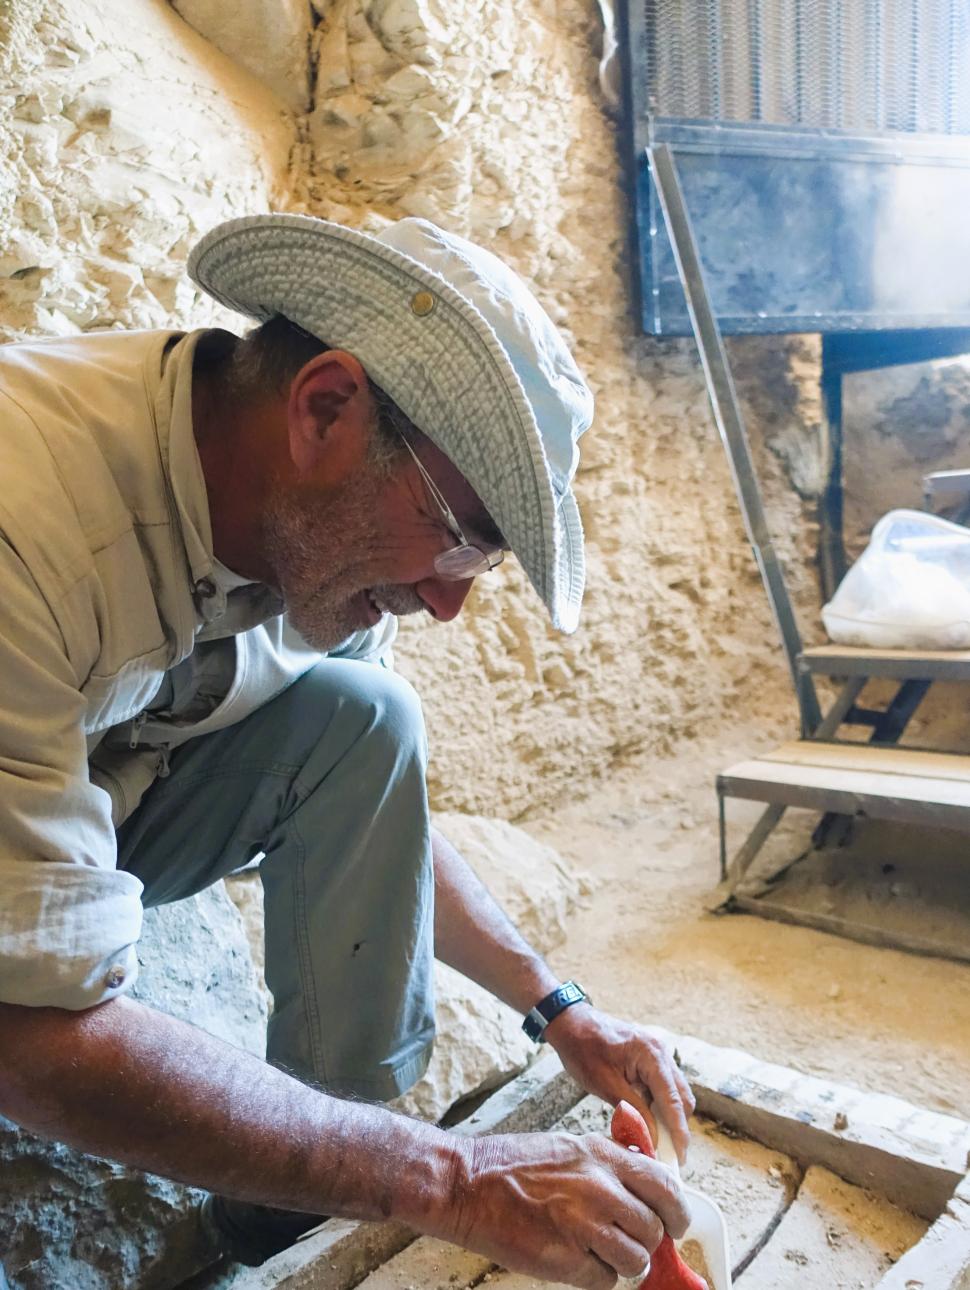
<point x="811" y="231"/>
<point x="800" y="229"/>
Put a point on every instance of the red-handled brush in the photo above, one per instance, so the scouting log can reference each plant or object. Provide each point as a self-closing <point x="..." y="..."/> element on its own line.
<point x="668" y="1271"/>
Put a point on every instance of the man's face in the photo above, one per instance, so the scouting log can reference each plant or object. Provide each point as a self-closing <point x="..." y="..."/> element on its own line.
<point x="344" y="555"/>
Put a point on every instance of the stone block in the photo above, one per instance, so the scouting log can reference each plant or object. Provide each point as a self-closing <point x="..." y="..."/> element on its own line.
<point x="196" y="965"/>
<point x="529" y="879"/>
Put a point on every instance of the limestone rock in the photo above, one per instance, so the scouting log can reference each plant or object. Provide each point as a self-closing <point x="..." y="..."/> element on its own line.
<point x="73" y="1222"/>
<point x="124" y="135"/>
<point x="480" y="1044"/>
<point x="70" y="1221"/>
<point x="270" y="39"/>
<point x="408" y="28"/>
<point x="245" y="890"/>
<point x="530" y="880"/>
<point x="196" y="965"/>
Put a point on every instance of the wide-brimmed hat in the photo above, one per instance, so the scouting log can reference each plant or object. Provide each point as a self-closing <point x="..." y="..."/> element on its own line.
<point x="458" y="342"/>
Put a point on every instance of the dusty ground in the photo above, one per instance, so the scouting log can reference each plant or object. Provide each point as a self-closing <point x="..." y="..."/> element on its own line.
<point x="875" y="1018"/>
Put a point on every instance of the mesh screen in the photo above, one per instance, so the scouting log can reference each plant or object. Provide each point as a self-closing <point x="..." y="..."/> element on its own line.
<point x="857" y="65"/>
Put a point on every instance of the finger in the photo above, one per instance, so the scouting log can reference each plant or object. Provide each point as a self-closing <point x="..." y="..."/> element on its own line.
<point x="658" y="1188"/>
<point x="591" y="1274"/>
<point x="632" y="1217"/>
<point x="638" y="1223"/>
<point x="625" y="1256"/>
<point x="675" y="1121"/>
<point x="686" y="1093"/>
<point x="668" y="1087"/>
<point x="651" y="1120"/>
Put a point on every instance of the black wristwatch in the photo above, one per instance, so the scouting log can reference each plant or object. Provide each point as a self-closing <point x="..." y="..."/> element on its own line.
<point x="549" y="1008"/>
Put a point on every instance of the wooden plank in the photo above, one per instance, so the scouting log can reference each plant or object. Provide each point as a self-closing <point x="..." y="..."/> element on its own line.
<point x="865" y="933"/>
<point x="889" y="783"/>
<point x="901" y="664"/>
<point x="873" y="759"/>
<point x="863" y="783"/>
<point x="819" y="793"/>
<point x="941" y="1260"/>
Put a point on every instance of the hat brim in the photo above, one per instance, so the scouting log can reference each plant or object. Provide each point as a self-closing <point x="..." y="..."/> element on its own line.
<point x="446" y="369"/>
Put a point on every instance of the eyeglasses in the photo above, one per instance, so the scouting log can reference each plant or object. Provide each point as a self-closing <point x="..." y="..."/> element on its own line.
<point x="458" y="562"/>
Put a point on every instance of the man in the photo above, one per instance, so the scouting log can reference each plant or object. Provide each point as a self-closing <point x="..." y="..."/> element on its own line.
<point x="405" y="414"/>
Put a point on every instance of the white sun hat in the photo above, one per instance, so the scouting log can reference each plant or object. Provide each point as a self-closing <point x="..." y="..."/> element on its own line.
<point x="459" y="343"/>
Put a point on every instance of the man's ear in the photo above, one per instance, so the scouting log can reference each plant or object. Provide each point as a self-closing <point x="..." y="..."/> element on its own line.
<point x="329" y="415"/>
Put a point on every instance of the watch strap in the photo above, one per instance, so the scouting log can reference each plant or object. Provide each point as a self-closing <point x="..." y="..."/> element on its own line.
<point x="547" y="1009"/>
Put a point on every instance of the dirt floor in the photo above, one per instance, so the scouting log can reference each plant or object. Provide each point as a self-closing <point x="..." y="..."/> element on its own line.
<point x="644" y="946"/>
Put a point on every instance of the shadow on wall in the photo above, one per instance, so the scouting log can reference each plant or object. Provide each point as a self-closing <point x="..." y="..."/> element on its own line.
<point x="900" y="424"/>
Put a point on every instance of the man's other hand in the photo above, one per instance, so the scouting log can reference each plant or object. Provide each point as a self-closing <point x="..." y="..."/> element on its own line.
<point x="617" y="1060"/>
<point x="579" y="1210"/>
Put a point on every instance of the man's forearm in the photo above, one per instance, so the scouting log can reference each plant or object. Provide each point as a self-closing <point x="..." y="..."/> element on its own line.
<point x="124" y="1081"/>
<point x="474" y="936"/>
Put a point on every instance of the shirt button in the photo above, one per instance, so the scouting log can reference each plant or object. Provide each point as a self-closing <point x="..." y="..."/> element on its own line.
<point x="115" y="977"/>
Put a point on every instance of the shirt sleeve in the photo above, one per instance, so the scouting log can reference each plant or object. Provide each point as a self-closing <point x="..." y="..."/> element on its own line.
<point x="69" y="919"/>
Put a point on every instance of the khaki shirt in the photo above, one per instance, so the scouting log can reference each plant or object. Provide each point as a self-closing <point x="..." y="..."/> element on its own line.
<point x="108" y="582"/>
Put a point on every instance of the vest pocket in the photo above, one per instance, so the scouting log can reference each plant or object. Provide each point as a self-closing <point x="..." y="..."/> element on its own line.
<point x="125" y="775"/>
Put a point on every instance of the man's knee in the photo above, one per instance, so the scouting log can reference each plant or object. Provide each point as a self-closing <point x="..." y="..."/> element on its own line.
<point x="374" y="704"/>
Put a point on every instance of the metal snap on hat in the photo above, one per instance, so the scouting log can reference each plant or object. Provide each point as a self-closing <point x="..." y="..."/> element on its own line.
<point x="458" y="342"/>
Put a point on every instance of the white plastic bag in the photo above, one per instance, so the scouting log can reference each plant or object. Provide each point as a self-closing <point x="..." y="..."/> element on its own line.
<point x="910" y="588"/>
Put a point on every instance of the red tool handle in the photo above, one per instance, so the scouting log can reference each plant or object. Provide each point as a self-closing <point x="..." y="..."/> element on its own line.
<point x="668" y="1271"/>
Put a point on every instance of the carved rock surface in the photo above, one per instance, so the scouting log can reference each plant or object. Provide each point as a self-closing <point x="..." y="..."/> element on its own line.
<point x="69" y="1221"/>
<point x="124" y="136"/>
<point x="271" y="39"/>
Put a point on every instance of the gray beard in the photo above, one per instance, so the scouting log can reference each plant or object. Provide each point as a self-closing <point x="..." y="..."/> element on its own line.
<point x="318" y="549"/>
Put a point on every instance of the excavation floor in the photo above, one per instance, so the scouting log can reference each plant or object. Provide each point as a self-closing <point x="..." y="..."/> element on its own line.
<point x="645" y="947"/>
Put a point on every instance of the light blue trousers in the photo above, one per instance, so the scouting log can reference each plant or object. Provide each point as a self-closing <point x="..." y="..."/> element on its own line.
<point x="328" y="780"/>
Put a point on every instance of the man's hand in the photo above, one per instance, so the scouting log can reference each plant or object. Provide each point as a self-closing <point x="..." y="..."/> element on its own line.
<point x="579" y="1210"/>
<point x="124" y="1081"/>
<point x="621" y="1060"/>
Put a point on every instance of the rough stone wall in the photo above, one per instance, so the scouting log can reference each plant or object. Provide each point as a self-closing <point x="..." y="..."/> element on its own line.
<point x="70" y="1221"/>
<point x="125" y="133"/>
<point x="123" y="136"/>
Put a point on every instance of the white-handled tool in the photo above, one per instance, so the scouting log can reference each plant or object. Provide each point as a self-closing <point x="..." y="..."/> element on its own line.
<point x="707" y="1225"/>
